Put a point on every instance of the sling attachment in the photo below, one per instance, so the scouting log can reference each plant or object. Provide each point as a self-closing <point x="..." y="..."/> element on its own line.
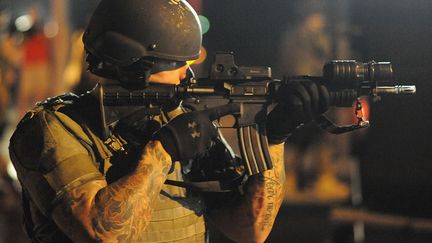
<point x="327" y="125"/>
<point x="212" y="186"/>
<point x="116" y="144"/>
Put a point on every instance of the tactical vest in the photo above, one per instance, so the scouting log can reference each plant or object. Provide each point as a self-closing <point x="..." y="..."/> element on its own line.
<point x="178" y="214"/>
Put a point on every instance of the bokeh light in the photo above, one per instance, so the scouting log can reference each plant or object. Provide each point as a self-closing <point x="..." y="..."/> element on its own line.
<point x="205" y="24"/>
<point x="24" y="23"/>
<point x="51" y="29"/>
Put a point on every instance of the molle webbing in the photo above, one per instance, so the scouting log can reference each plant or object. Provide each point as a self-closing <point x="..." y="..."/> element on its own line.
<point x="178" y="215"/>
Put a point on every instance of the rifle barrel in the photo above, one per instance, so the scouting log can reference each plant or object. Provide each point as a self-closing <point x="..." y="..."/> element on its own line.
<point x="397" y="89"/>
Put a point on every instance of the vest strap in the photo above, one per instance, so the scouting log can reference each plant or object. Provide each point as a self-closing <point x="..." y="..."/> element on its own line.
<point x="211" y="186"/>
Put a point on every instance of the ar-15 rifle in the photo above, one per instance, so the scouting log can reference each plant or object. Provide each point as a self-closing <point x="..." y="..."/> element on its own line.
<point x="252" y="90"/>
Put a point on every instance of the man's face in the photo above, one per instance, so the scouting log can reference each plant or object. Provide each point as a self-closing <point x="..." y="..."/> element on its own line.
<point x="169" y="77"/>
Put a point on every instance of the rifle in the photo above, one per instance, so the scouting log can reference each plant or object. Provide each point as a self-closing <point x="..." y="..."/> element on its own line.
<point x="253" y="90"/>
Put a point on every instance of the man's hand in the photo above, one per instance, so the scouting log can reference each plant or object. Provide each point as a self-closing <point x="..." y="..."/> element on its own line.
<point x="189" y="135"/>
<point x="299" y="102"/>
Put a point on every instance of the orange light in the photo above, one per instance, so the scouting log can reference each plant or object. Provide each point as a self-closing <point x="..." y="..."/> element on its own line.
<point x="366" y="108"/>
<point x="200" y="59"/>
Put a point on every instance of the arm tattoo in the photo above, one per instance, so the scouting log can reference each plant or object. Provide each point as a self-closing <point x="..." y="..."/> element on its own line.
<point x="267" y="190"/>
<point x="257" y="209"/>
<point x="122" y="210"/>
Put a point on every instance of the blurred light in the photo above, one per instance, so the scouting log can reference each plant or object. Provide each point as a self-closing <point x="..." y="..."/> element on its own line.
<point x="5" y="20"/>
<point x="366" y="109"/>
<point x="11" y="171"/>
<point x="24" y="23"/>
<point x="200" y="59"/>
<point x="51" y="29"/>
<point x="205" y="24"/>
<point x="196" y="4"/>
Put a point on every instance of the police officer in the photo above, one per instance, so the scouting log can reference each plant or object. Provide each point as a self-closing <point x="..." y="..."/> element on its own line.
<point x="80" y="186"/>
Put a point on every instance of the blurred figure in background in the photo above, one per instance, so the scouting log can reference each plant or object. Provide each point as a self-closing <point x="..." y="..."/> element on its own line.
<point x="10" y="59"/>
<point x="35" y="79"/>
<point x="310" y="154"/>
<point x="307" y="46"/>
<point x="4" y="100"/>
<point x="10" y="209"/>
<point x="10" y="62"/>
<point x="76" y="78"/>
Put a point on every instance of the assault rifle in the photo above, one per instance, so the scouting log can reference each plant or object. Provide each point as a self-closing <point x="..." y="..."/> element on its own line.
<point x="253" y="90"/>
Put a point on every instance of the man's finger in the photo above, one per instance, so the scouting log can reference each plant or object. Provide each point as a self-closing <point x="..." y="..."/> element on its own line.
<point x="312" y="89"/>
<point x="301" y="92"/>
<point x="220" y="111"/>
<point x="324" y="99"/>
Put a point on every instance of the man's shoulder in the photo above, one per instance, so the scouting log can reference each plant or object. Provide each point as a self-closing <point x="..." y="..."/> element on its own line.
<point x="44" y="117"/>
<point x="46" y="133"/>
<point x="34" y="131"/>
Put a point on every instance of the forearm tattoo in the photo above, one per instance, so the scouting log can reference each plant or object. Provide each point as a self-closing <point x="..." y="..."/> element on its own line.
<point x="270" y="190"/>
<point x="255" y="212"/>
<point x="122" y="210"/>
<point x="267" y="191"/>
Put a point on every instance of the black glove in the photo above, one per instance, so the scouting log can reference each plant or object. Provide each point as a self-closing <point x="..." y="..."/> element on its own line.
<point x="299" y="102"/>
<point x="189" y="135"/>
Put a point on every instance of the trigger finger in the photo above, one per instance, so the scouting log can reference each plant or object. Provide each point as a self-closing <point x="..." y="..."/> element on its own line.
<point x="302" y="93"/>
<point x="312" y="89"/>
<point x="324" y="101"/>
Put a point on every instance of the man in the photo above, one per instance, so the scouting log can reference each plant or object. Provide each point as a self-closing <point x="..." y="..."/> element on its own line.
<point x="81" y="186"/>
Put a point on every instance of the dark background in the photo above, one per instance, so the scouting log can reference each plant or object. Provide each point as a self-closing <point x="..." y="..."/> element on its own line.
<point x="395" y="154"/>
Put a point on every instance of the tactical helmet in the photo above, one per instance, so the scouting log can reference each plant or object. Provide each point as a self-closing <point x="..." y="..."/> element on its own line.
<point x="121" y="33"/>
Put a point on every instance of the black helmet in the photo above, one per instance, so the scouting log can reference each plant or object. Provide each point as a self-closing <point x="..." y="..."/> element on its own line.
<point x="123" y="33"/>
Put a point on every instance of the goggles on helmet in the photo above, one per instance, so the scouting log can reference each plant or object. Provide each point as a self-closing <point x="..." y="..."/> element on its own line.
<point x="161" y="65"/>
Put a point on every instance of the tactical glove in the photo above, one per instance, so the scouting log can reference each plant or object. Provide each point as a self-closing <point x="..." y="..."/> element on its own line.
<point x="189" y="135"/>
<point x="299" y="102"/>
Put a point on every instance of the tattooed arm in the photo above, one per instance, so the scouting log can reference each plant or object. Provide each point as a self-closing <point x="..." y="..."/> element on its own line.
<point x="118" y="212"/>
<point x="251" y="218"/>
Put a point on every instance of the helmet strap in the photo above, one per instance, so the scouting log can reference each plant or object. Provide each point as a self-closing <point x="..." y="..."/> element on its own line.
<point x="134" y="76"/>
